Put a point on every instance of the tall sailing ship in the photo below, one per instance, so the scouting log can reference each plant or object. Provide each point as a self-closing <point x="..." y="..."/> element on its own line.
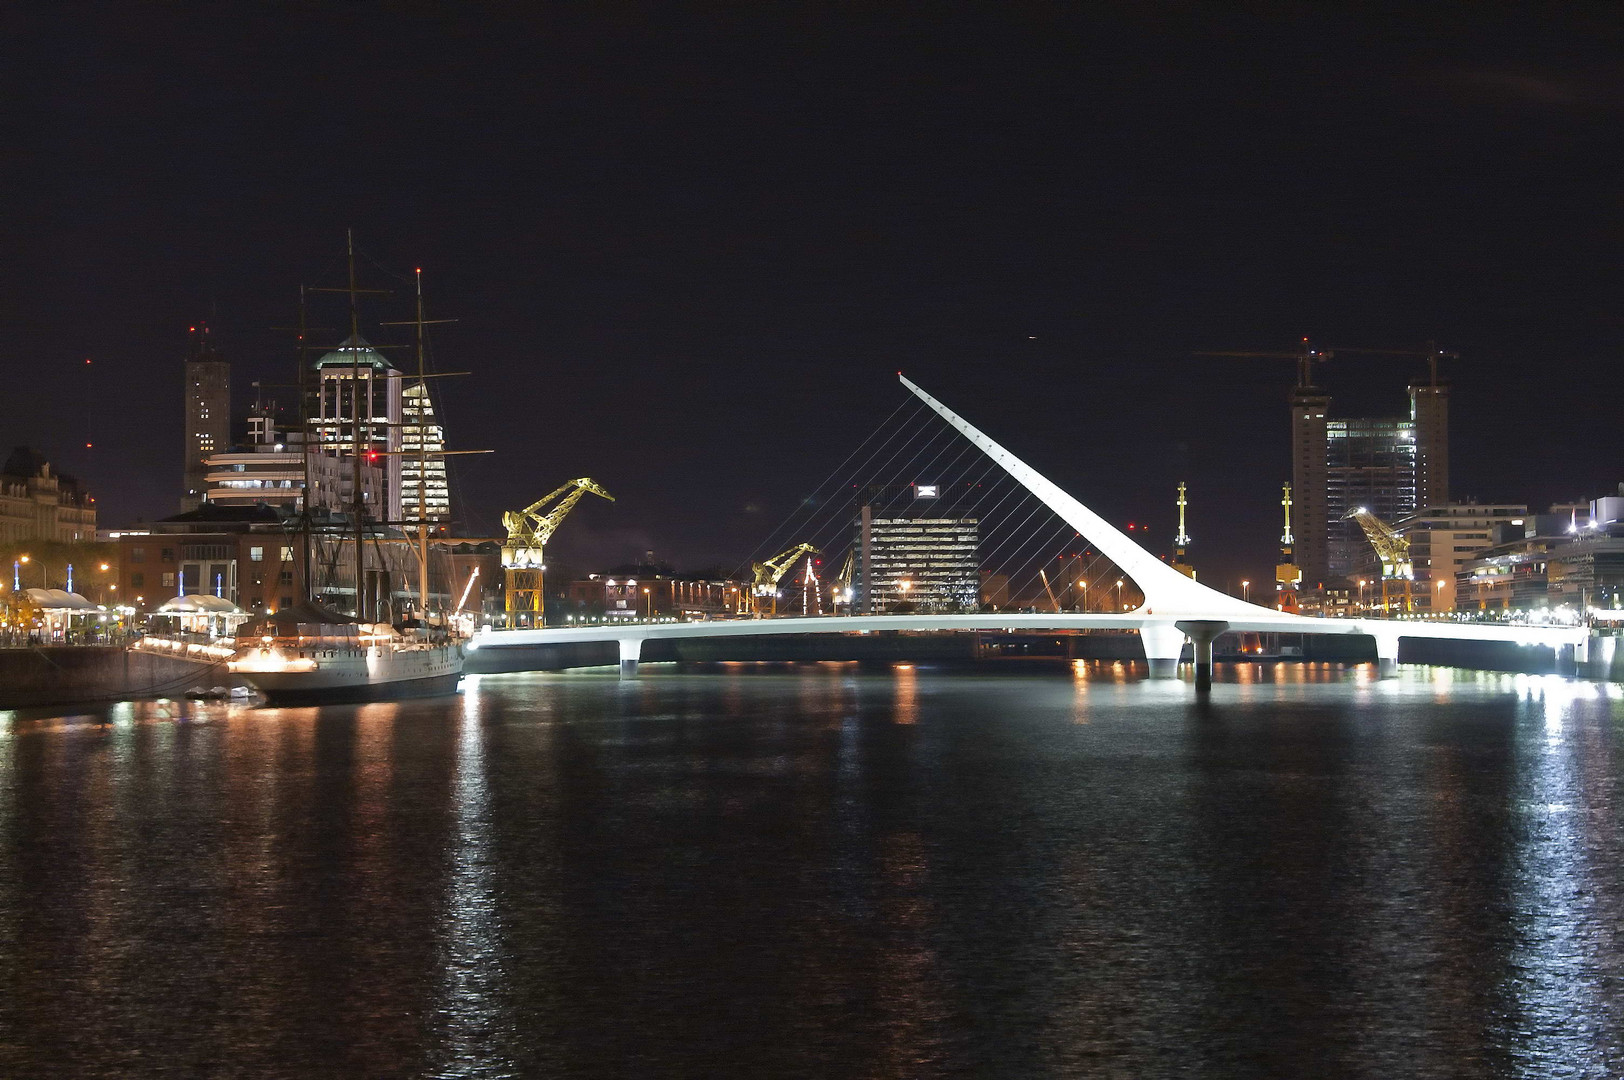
<point x="308" y="654"/>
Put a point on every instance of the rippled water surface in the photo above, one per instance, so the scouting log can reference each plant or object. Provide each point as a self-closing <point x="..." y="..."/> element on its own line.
<point x="822" y="871"/>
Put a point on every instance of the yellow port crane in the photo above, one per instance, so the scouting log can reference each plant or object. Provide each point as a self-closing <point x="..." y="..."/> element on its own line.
<point x="1392" y="550"/>
<point x="840" y="587"/>
<point x="523" y="556"/>
<point x="1288" y="575"/>
<point x="771" y="572"/>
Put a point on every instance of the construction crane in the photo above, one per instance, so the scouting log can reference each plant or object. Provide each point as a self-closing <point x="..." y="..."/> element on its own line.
<point x="1305" y="358"/>
<point x="1431" y="354"/>
<point x="523" y="555"/>
<point x="771" y="572"/>
<point x="1393" y="551"/>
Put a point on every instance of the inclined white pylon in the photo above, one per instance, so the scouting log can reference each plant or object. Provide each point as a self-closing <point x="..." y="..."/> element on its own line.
<point x="1167" y="592"/>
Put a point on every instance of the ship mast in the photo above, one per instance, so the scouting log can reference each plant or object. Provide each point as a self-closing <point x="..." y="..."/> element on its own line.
<point x="304" y="447"/>
<point x="355" y="436"/>
<point x="422" y="465"/>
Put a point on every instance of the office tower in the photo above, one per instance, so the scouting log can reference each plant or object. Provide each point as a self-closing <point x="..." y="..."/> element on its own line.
<point x="208" y="413"/>
<point x="422" y="477"/>
<point x="356" y="376"/>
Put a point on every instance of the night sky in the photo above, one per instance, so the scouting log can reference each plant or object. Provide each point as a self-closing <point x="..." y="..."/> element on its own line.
<point x="691" y="247"/>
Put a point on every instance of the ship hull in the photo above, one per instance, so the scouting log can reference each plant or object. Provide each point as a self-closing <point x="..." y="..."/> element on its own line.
<point x="296" y="689"/>
<point x="359" y="675"/>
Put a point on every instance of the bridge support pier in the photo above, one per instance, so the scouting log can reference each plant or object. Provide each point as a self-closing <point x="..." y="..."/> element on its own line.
<point x="1386" y="655"/>
<point x="1202" y="633"/>
<point x="1163" y="644"/>
<point x="631" y="650"/>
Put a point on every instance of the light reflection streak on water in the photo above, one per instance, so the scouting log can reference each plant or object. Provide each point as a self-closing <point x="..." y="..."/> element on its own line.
<point x="468" y="1013"/>
<point x="906" y="678"/>
<point x="1564" y="902"/>
<point x="1079" y="691"/>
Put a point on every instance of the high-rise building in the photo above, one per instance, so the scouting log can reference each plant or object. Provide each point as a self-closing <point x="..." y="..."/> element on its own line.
<point x="917" y="556"/>
<point x="1390" y="466"/>
<point x="271" y="470"/>
<point x="355" y="377"/>
<point x="208" y="413"/>
<point x="425" y="494"/>
<point x="1309" y="406"/>
<point x="1429" y="412"/>
<point x="1369" y="464"/>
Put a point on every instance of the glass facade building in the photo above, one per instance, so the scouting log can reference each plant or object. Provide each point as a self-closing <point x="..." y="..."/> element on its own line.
<point x="425" y="494"/>
<point x="925" y="564"/>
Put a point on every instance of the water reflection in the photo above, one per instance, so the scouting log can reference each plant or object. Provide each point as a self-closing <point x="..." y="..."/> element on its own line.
<point x="825" y="870"/>
<point x="907" y="691"/>
<point x="468" y="1013"/>
<point x="1565" y="895"/>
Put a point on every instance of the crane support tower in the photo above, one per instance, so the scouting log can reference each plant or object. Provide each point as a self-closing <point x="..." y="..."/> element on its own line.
<point x="523" y="556"/>
<point x="1393" y="550"/>
<point x="1181" y="542"/>
<point x="770" y="573"/>
<point x="1288" y="575"/>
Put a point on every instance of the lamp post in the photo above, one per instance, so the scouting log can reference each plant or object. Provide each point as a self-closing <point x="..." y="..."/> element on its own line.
<point x="1120" y="605"/>
<point x="648" y="605"/>
<point x="1246" y="592"/>
<point x="1362" y="606"/>
<point x="1081" y="585"/>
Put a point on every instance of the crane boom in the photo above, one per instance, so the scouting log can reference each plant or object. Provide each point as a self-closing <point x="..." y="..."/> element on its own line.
<point x="1305" y="357"/>
<point x="1392" y="550"/>
<point x="1046" y="588"/>
<point x="840" y="590"/>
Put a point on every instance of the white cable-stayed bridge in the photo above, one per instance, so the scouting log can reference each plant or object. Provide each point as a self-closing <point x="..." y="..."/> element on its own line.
<point x="1175" y="608"/>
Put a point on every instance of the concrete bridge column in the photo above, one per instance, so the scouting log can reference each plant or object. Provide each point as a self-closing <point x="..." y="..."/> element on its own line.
<point x="1386" y="653"/>
<point x="1202" y="633"/>
<point x="1163" y="644"/>
<point x="631" y="650"/>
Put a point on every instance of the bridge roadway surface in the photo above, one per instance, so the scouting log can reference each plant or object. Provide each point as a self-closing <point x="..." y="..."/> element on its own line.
<point x="1163" y="636"/>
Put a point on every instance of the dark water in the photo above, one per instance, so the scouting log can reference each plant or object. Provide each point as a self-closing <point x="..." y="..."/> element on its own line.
<point x="817" y="871"/>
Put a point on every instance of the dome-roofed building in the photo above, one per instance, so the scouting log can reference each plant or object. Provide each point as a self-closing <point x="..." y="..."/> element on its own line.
<point x="356" y="373"/>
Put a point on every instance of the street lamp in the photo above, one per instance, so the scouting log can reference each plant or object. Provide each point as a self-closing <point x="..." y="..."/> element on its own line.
<point x="648" y="605"/>
<point x="1362" y="594"/>
<point x="1082" y="604"/>
<point x="1246" y="591"/>
<point x="1120" y="605"/>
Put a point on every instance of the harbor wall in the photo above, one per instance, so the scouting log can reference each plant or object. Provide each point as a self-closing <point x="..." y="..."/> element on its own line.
<point x="88" y="674"/>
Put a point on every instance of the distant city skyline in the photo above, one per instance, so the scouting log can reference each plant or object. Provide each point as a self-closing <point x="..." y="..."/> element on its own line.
<point x="688" y="251"/>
